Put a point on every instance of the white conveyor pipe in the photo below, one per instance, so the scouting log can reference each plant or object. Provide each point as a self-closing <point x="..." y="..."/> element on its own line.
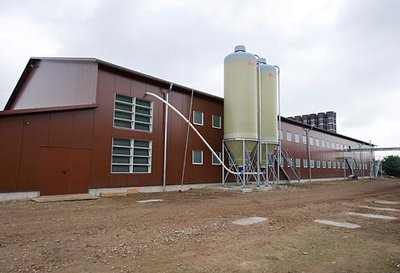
<point x="197" y="132"/>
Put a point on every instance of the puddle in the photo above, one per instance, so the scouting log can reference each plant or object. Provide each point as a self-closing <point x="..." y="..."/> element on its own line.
<point x="373" y="216"/>
<point x="376" y="208"/>
<point x="150" y="200"/>
<point x="337" y="224"/>
<point x="250" y="221"/>
<point x="385" y="202"/>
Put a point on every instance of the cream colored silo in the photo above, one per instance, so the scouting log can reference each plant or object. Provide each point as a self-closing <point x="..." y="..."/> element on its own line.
<point x="269" y="108"/>
<point x="240" y="102"/>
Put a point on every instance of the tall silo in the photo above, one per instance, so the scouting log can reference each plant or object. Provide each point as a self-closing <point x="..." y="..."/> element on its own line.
<point x="268" y="97"/>
<point x="240" y="103"/>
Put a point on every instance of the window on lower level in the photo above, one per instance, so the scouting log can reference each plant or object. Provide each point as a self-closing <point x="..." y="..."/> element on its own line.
<point x="197" y="157"/>
<point x="305" y="163"/>
<point x="312" y="163"/>
<point x="215" y="160"/>
<point x="318" y="164"/>
<point x="298" y="163"/>
<point x="131" y="156"/>
<point x="317" y="142"/>
<point x="334" y="164"/>
<point x="198" y="118"/>
<point x="289" y="162"/>
<point x="329" y="165"/>
<point x="304" y="140"/>
<point x="323" y="164"/>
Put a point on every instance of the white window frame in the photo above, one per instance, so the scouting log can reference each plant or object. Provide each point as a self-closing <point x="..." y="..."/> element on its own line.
<point x="333" y="164"/>
<point x="281" y="134"/>
<point x="304" y="139"/>
<point x="133" y="147"/>
<point x="296" y="138"/>
<point x="312" y="163"/>
<point x="288" y="136"/>
<point x="220" y="122"/>
<point x="317" y="142"/>
<point x="201" y="157"/>
<point x="311" y="141"/>
<point x="194" y="118"/>
<point x="305" y="163"/>
<point x="134" y="114"/>
<point x="318" y="164"/>
<point x="323" y="164"/>
<point x="322" y="143"/>
<point x="298" y="163"/>
<point x="217" y="162"/>
<point x="329" y="165"/>
<point x="289" y="162"/>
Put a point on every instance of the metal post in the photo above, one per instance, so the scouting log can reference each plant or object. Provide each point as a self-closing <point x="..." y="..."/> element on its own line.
<point x="279" y="124"/>
<point x="166" y="138"/>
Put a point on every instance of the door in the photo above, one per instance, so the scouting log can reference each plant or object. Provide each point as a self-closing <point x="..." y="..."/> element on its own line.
<point x="64" y="170"/>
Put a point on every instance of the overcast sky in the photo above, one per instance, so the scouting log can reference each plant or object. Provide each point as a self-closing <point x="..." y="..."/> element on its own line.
<point x="341" y="55"/>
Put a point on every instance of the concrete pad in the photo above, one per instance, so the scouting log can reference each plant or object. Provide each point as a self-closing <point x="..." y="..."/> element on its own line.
<point x="65" y="197"/>
<point x="337" y="224"/>
<point x="376" y="208"/>
<point x="132" y="191"/>
<point x="373" y="216"/>
<point x="150" y="201"/>
<point x="250" y="221"/>
<point x="385" y="202"/>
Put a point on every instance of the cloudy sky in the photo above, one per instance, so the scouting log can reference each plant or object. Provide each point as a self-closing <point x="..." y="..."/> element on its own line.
<point x="341" y="55"/>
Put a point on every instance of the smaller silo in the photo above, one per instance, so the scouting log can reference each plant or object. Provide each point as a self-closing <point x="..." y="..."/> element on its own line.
<point x="306" y="119"/>
<point x="321" y="120"/>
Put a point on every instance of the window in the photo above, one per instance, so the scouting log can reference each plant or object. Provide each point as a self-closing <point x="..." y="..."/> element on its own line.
<point x="304" y="140"/>
<point x="197" y="157"/>
<point x="288" y="136"/>
<point x="132" y="113"/>
<point x="328" y="145"/>
<point x="198" y="118"/>
<point x="341" y="147"/>
<point x="305" y="163"/>
<point x="318" y="164"/>
<point x="298" y="163"/>
<point x="131" y="156"/>
<point x="215" y="160"/>
<point x="323" y="164"/>
<point x="216" y="121"/>
<point x="329" y="164"/>
<point x="343" y="165"/>
<point x="334" y="164"/>
<point x="323" y="143"/>
<point x="296" y="138"/>
<point x="289" y="162"/>
<point x="311" y="141"/>
<point x="312" y="164"/>
<point x="281" y="135"/>
<point x="337" y="146"/>
<point x="317" y="142"/>
<point x="281" y="161"/>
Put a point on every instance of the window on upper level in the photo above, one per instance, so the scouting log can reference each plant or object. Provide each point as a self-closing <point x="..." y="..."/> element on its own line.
<point x="198" y="118"/>
<point x="133" y="113"/>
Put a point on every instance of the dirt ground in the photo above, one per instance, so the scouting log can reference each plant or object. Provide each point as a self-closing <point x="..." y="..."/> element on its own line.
<point x="193" y="232"/>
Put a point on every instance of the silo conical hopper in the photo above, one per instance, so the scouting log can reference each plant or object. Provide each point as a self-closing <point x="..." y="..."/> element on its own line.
<point x="269" y="109"/>
<point x="240" y="103"/>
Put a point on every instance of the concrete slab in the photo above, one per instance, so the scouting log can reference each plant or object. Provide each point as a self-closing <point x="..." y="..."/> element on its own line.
<point x="150" y="200"/>
<point x="250" y="221"/>
<point x="372" y="216"/>
<point x="377" y="208"/>
<point x="64" y="197"/>
<point x="337" y="224"/>
<point x="385" y="202"/>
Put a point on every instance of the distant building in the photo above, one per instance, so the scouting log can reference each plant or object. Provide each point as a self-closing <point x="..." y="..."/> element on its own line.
<point x="326" y="121"/>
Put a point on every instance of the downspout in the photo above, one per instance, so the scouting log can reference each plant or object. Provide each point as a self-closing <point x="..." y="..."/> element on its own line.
<point x="166" y="137"/>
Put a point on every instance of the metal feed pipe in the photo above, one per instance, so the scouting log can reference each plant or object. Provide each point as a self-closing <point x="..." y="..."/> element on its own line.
<point x="166" y="138"/>
<point x="197" y="132"/>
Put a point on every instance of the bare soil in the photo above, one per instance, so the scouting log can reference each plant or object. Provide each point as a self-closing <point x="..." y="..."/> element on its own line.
<point x="193" y="232"/>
